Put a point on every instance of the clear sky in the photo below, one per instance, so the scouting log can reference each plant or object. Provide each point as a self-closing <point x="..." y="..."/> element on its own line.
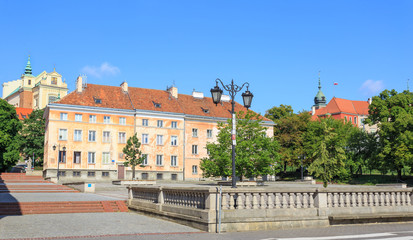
<point x="277" y="46"/>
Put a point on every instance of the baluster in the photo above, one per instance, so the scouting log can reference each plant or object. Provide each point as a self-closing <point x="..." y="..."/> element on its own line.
<point x="408" y="200"/>
<point x="353" y="200"/>
<point x="382" y="199"/>
<point x="231" y="201"/>
<point x="248" y="201"/>
<point x="311" y="197"/>
<point x="284" y="200"/>
<point x="347" y="201"/>
<point x="254" y="201"/>
<point x="278" y="200"/>
<point x="263" y="200"/>
<point x="224" y="201"/>
<point x="298" y="200"/>
<point x="329" y="200"/>
<point x="403" y="198"/>
<point x="270" y="201"/>
<point x="305" y="200"/>
<point x="396" y="199"/>
<point x="291" y="200"/>
<point x="240" y="204"/>
<point x="376" y="199"/>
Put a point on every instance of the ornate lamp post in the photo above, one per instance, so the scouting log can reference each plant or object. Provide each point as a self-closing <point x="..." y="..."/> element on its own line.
<point x="59" y="157"/>
<point x="247" y="96"/>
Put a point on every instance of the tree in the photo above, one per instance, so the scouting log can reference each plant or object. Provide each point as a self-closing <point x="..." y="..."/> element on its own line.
<point x="133" y="155"/>
<point x="361" y="151"/>
<point x="289" y="132"/>
<point x="256" y="154"/>
<point x="31" y="137"/>
<point x="9" y="128"/>
<point x="325" y="143"/>
<point x="276" y="113"/>
<point x="393" y="114"/>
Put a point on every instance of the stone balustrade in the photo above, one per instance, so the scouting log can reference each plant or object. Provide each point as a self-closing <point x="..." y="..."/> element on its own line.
<point x="269" y="208"/>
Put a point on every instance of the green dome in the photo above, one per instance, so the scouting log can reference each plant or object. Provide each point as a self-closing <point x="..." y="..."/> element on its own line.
<point x="320" y="98"/>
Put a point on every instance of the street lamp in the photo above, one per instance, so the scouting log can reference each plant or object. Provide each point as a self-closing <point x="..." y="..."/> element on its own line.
<point x="59" y="158"/>
<point x="247" y="96"/>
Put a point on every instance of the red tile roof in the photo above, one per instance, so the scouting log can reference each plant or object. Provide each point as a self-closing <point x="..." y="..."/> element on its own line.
<point x="339" y="105"/>
<point x="23" y="113"/>
<point x="147" y="99"/>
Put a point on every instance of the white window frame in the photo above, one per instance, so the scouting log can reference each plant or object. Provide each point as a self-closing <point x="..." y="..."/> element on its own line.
<point x="159" y="139"/>
<point x="63" y="134"/>
<point x="195" y="149"/>
<point x="90" y="134"/>
<point x="105" y="158"/>
<point x="78" y="117"/>
<point x="209" y="133"/>
<point x="145" y="138"/>
<point x="194" y="132"/>
<point x="122" y="139"/>
<point x="145" y="122"/>
<point x="159" y="160"/>
<point x="174" y="124"/>
<point x="122" y="120"/>
<point x="194" y="169"/>
<point x="174" y="140"/>
<point x="159" y="123"/>
<point x="145" y="159"/>
<point x="63" y="116"/>
<point x="91" y="157"/>
<point x="106" y="139"/>
<point x="74" y="157"/>
<point x="174" y="161"/>
<point x="106" y="119"/>
<point x="92" y="118"/>
<point x="77" y="135"/>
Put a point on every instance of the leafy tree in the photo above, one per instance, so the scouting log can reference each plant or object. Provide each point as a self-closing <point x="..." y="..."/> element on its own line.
<point x="31" y="137"/>
<point x="276" y="113"/>
<point x="256" y="154"/>
<point x="9" y="128"/>
<point x="393" y="114"/>
<point x="325" y="143"/>
<point x="361" y="151"/>
<point x="133" y="155"/>
<point x="289" y="132"/>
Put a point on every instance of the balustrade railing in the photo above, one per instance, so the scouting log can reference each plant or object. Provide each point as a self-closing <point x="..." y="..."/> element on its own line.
<point x="369" y="199"/>
<point x="191" y="199"/>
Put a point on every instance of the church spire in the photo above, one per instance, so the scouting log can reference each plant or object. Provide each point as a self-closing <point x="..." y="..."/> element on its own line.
<point x="28" y="69"/>
<point x="320" y="98"/>
<point x="319" y="81"/>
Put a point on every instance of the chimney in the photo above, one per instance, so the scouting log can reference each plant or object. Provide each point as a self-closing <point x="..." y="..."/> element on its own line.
<point x="79" y="86"/>
<point x="369" y="101"/>
<point x="173" y="91"/>
<point x="313" y="110"/>
<point x="198" y="95"/>
<point x="124" y="86"/>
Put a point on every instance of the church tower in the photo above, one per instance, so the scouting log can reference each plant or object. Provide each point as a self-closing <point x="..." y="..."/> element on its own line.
<point x="320" y="98"/>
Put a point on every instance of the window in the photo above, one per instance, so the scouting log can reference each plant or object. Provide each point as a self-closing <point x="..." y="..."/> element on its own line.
<point x="92" y="136"/>
<point x="52" y="99"/>
<point x="145" y="138"/>
<point x="91" y="157"/>
<point x="106" y="136"/>
<point x="122" y="137"/>
<point x="78" y="117"/>
<point x="78" y="136"/>
<point x="106" y="119"/>
<point x="63" y="116"/>
<point x="174" y="176"/>
<point x="105" y="158"/>
<point x="76" y="157"/>
<point x="159" y="139"/>
<point x="160" y="123"/>
<point x="159" y="176"/>
<point x="105" y="174"/>
<point x="90" y="174"/>
<point x="145" y="159"/>
<point x="194" y="169"/>
<point x="174" y="140"/>
<point x="97" y="100"/>
<point x="54" y="80"/>
<point x="62" y="173"/>
<point x="159" y="160"/>
<point x="144" y="176"/>
<point x="209" y="133"/>
<point x="62" y="156"/>
<point x="194" y="149"/>
<point x="144" y="122"/>
<point x="194" y="132"/>
<point x="345" y="118"/>
<point x="355" y="120"/>
<point x="174" y="124"/>
<point x="92" y="118"/>
<point x="174" y="161"/>
<point x="351" y="119"/>
<point x="30" y="82"/>
<point x="76" y="174"/>
<point x="122" y="121"/>
<point x="121" y="155"/>
<point x="63" y="134"/>
<point x="157" y="105"/>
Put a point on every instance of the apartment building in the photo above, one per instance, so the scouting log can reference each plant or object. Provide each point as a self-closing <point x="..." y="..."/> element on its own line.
<point x="87" y="130"/>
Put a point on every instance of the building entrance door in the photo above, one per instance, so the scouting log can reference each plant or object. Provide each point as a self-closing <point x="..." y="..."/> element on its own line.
<point x="121" y="172"/>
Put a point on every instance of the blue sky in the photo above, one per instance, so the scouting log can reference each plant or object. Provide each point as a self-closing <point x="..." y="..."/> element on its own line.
<point x="277" y="46"/>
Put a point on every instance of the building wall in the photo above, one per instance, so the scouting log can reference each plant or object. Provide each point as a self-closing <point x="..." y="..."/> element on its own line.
<point x="26" y="99"/>
<point x="9" y="87"/>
